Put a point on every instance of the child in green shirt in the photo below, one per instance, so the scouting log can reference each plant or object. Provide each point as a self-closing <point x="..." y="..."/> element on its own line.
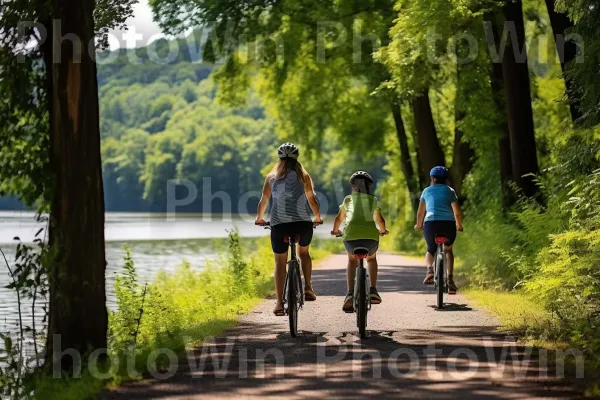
<point x="360" y="212"/>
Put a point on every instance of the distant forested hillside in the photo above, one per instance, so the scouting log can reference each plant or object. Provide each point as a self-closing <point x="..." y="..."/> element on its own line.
<point x="162" y="121"/>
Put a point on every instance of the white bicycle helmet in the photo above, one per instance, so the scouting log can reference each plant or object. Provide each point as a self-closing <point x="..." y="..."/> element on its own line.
<point x="361" y="174"/>
<point x="288" y="150"/>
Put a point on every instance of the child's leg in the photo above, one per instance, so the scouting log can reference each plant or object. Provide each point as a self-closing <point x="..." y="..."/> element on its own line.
<point x="372" y="267"/>
<point x="351" y="271"/>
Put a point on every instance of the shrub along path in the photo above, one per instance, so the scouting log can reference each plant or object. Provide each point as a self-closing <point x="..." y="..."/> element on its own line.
<point x="414" y="351"/>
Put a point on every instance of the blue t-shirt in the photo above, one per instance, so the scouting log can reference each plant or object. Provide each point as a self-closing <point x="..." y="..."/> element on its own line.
<point x="438" y="199"/>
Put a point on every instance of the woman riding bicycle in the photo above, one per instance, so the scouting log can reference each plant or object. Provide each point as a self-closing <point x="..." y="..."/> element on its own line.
<point x="439" y="214"/>
<point x="293" y="199"/>
<point x="360" y="212"/>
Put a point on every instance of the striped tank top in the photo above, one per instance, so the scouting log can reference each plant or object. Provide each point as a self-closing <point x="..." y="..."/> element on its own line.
<point x="288" y="200"/>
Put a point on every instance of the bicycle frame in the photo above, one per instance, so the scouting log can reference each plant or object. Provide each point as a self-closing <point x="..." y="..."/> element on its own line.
<point x="362" y="298"/>
<point x="293" y="264"/>
<point x="440" y="271"/>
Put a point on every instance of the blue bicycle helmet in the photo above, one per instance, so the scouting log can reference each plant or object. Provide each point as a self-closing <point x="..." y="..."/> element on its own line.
<point x="439" y="172"/>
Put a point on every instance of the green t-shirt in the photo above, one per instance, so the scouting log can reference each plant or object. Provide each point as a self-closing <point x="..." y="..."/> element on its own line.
<point x="360" y="209"/>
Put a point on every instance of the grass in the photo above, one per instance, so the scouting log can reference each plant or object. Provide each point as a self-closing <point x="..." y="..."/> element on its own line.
<point x="520" y="315"/>
<point x="181" y="310"/>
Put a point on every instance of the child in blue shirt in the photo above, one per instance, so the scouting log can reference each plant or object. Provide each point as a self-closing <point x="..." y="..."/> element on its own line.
<point x="439" y="213"/>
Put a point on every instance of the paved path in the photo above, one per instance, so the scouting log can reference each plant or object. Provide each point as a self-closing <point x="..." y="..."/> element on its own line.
<point x="414" y="351"/>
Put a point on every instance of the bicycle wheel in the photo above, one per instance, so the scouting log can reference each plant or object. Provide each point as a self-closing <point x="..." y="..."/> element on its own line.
<point x="361" y="299"/>
<point x="439" y="270"/>
<point x="292" y="297"/>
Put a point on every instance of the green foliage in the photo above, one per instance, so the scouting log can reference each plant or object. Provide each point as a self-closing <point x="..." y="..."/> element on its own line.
<point x="181" y="305"/>
<point x="518" y="313"/>
<point x="24" y="88"/>
<point x="583" y="70"/>
<point x="11" y="369"/>
<point x="124" y="324"/>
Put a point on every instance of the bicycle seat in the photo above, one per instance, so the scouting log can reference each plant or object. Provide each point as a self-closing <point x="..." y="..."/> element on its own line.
<point x="361" y="252"/>
<point x="440" y="238"/>
<point x="287" y="239"/>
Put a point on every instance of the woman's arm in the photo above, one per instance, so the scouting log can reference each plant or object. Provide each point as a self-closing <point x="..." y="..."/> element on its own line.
<point x="309" y="190"/>
<point x="458" y="216"/>
<point x="263" y="203"/>
<point x="421" y="215"/>
<point x="338" y="222"/>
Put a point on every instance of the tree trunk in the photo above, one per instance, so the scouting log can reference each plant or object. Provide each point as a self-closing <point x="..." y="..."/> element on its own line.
<point x="518" y="99"/>
<point x="497" y="86"/>
<point x="463" y="154"/>
<point x="567" y="51"/>
<point x="77" y="279"/>
<point x="430" y="151"/>
<point x="462" y="160"/>
<point x="405" y="161"/>
<point x="422" y="179"/>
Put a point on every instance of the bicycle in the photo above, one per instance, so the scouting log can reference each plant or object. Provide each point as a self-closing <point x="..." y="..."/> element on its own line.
<point x="440" y="271"/>
<point x="362" y="295"/>
<point x="293" y="295"/>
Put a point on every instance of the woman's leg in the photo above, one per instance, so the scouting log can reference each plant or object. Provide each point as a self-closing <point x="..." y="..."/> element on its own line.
<point x="449" y="259"/>
<point x="429" y="231"/>
<point x="280" y="263"/>
<point x="306" y="264"/>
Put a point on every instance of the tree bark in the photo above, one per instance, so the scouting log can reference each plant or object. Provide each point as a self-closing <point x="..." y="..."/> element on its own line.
<point x="518" y="99"/>
<point x="567" y="51"/>
<point x="506" y="173"/>
<point x="462" y="154"/>
<point x="497" y="86"/>
<point x="77" y="279"/>
<point x="405" y="160"/>
<point x="462" y="159"/>
<point x="429" y="150"/>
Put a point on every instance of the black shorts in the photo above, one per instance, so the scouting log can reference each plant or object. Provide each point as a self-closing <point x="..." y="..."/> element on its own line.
<point x="432" y="228"/>
<point x="280" y="234"/>
<point x="369" y="244"/>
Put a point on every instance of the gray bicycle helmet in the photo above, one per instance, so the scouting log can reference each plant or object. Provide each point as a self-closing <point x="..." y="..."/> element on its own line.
<point x="288" y="150"/>
<point x="361" y="174"/>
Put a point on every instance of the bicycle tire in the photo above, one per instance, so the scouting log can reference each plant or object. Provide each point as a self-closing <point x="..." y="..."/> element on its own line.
<point x="361" y="309"/>
<point x="439" y="259"/>
<point x="292" y="299"/>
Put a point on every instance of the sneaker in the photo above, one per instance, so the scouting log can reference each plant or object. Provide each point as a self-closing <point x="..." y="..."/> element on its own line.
<point x="451" y="286"/>
<point x="349" y="302"/>
<point x="309" y="294"/>
<point x="375" y="298"/>
<point x="429" y="277"/>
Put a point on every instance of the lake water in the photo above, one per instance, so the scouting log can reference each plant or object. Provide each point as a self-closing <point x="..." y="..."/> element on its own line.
<point x="157" y="243"/>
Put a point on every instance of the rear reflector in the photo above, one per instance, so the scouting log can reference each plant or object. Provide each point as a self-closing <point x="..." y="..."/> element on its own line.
<point x="440" y="239"/>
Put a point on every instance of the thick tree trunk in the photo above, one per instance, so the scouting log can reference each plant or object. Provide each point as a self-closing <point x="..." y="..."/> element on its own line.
<point x="518" y="100"/>
<point x="567" y="51"/>
<point x="405" y="160"/>
<point x="497" y="86"/>
<point x="78" y="315"/>
<point x="429" y="150"/>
